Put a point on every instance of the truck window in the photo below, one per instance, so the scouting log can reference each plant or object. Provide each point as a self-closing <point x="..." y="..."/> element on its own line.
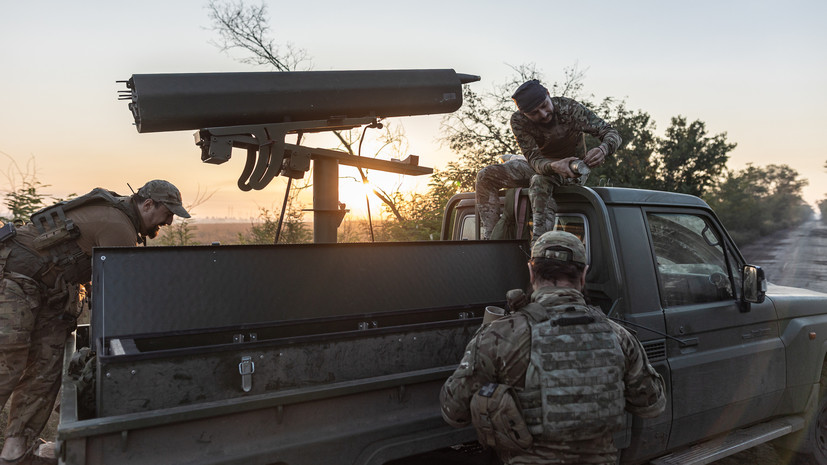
<point x="573" y="223"/>
<point x="690" y="259"/>
<point x="468" y="228"/>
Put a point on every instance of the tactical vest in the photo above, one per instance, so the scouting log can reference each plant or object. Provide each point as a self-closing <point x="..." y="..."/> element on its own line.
<point x="574" y="386"/>
<point x="57" y="235"/>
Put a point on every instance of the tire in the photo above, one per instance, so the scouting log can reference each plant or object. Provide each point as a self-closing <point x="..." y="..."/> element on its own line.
<point x="811" y="444"/>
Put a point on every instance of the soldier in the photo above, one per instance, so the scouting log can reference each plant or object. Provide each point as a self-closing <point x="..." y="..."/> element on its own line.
<point x="43" y="265"/>
<point x="549" y="383"/>
<point x="550" y="133"/>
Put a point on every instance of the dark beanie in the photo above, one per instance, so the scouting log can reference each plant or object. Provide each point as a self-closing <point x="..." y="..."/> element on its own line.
<point x="529" y="95"/>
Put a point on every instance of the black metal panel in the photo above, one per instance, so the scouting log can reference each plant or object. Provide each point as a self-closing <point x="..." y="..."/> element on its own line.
<point x="167" y="379"/>
<point x="157" y="290"/>
<point x="171" y="102"/>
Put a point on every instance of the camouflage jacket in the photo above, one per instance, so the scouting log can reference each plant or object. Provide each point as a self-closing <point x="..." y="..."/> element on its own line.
<point x="500" y="351"/>
<point x="563" y="137"/>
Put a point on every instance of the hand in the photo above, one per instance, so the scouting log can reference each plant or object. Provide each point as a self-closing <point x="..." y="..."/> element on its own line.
<point x="562" y="167"/>
<point x="595" y="157"/>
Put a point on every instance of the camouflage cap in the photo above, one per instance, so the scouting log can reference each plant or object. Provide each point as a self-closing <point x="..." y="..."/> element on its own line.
<point x="164" y="192"/>
<point x="561" y="246"/>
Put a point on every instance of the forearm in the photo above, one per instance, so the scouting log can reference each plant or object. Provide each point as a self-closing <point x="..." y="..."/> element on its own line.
<point x="540" y="164"/>
<point x="610" y="141"/>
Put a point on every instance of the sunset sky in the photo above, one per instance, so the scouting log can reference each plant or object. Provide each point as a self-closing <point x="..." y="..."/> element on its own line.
<point x="756" y="70"/>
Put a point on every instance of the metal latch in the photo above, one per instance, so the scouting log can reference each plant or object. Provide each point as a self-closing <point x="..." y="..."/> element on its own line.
<point x="246" y="368"/>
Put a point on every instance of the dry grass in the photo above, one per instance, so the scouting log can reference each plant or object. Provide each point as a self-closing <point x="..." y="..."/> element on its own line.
<point x="224" y="233"/>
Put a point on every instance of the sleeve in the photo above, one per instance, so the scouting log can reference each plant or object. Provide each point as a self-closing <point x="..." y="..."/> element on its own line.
<point x="591" y="124"/>
<point x="645" y="395"/>
<point x="521" y="128"/>
<point x="497" y="353"/>
<point x="456" y="393"/>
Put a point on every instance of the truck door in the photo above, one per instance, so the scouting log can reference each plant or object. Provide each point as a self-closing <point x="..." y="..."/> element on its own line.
<point x="729" y="371"/>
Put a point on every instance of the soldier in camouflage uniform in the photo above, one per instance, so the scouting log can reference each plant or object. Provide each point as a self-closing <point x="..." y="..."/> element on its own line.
<point x="571" y="396"/>
<point x="39" y="296"/>
<point x="550" y="133"/>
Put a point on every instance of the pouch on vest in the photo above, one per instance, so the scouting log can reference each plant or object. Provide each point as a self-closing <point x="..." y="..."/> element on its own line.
<point x="7" y="232"/>
<point x="498" y="419"/>
<point x="67" y="297"/>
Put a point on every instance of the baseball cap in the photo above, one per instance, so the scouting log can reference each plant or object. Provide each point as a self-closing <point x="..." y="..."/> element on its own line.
<point x="164" y="192"/>
<point x="560" y="246"/>
<point x="529" y="95"/>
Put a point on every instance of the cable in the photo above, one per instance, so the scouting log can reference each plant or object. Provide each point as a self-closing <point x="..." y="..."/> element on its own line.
<point x="286" y="196"/>
<point x="365" y="178"/>
<point x="283" y="208"/>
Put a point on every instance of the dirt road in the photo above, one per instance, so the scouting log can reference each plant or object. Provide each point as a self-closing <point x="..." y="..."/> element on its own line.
<point x="795" y="257"/>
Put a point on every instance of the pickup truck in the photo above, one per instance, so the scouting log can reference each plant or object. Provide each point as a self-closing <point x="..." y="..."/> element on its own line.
<point x="335" y="353"/>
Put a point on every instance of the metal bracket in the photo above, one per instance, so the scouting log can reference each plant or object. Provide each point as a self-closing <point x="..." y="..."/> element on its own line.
<point x="246" y="369"/>
<point x="266" y="147"/>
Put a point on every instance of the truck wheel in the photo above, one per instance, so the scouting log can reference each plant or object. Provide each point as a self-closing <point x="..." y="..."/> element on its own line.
<point x="813" y="446"/>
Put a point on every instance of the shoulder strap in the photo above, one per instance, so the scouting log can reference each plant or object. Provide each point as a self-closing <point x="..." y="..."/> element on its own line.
<point x="520" y="210"/>
<point x="536" y="312"/>
<point x="45" y="218"/>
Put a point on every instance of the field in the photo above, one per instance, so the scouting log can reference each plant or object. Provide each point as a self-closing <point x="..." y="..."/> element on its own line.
<point x="227" y="233"/>
<point x="223" y="233"/>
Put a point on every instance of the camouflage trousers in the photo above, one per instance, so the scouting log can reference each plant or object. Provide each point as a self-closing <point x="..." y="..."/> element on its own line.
<point x="492" y="178"/>
<point x="543" y="205"/>
<point x="32" y="337"/>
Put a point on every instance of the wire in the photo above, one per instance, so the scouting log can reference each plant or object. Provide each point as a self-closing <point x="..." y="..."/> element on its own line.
<point x="286" y="196"/>
<point x="283" y="208"/>
<point x="365" y="178"/>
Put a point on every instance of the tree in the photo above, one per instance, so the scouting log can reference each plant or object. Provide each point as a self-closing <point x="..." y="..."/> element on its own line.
<point x="24" y="201"/>
<point x="25" y="195"/>
<point x="757" y="201"/>
<point x="246" y="27"/>
<point x="353" y="231"/>
<point x="423" y="213"/>
<point x="631" y="165"/>
<point x="687" y="160"/>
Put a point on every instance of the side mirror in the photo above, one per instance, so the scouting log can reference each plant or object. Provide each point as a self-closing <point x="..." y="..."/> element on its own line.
<point x="754" y="284"/>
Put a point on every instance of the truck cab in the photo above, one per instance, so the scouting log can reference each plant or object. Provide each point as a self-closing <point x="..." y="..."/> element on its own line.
<point x="662" y="265"/>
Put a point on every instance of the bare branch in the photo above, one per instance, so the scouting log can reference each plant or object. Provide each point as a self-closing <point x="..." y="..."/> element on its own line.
<point x="246" y="27"/>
